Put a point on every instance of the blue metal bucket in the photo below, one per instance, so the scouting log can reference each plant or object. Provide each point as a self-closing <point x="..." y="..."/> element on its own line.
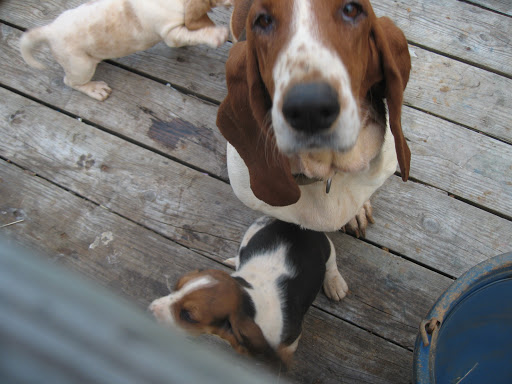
<point x="467" y="336"/>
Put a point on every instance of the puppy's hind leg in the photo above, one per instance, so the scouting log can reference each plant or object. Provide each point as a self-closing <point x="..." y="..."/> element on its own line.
<point x="181" y="36"/>
<point x="335" y="287"/>
<point x="79" y="72"/>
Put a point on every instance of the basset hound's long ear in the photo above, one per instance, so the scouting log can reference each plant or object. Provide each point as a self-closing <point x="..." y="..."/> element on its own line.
<point x="392" y="56"/>
<point x="238" y="19"/>
<point x="243" y="119"/>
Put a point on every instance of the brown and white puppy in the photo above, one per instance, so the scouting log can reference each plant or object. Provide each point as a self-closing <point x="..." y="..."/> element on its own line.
<point x="258" y="309"/>
<point x="103" y="29"/>
<point x="315" y="91"/>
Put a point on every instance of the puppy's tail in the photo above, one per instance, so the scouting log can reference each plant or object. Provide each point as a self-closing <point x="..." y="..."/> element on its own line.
<point x="29" y="41"/>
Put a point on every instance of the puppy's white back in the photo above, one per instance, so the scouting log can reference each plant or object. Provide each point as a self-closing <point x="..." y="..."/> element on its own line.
<point x="263" y="271"/>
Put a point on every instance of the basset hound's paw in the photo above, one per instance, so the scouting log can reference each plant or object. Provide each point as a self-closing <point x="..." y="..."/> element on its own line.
<point x="217" y="36"/>
<point x="358" y="224"/>
<point x="335" y="287"/>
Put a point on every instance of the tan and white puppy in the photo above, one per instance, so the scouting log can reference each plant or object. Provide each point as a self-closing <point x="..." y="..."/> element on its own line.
<point x="315" y="91"/>
<point x="104" y="29"/>
<point x="259" y="309"/>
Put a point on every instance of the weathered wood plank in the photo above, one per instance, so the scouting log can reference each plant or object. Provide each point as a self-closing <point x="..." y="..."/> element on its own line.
<point x="203" y="214"/>
<point x="147" y="112"/>
<point x="199" y="70"/>
<point x="435" y="229"/>
<point x="440" y="85"/>
<point x="460" y="161"/>
<point x="385" y="288"/>
<point x="338" y="365"/>
<point x="150" y="189"/>
<point x="184" y="127"/>
<point x="460" y="93"/>
<point x="454" y="28"/>
<point x="132" y="260"/>
<point x="117" y="253"/>
<point x="46" y="12"/>
<point x="503" y="6"/>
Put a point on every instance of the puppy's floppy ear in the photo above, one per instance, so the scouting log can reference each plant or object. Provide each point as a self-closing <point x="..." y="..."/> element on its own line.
<point x="249" y="337"/>
<point x="242" y="119"/>
<point x="390" y="54"/>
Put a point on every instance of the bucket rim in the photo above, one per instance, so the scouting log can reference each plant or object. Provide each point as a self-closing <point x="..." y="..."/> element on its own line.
<point x="488" y="271"/>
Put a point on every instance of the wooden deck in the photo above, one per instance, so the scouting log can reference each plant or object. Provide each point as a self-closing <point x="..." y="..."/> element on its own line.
<point x="133" y="192"/>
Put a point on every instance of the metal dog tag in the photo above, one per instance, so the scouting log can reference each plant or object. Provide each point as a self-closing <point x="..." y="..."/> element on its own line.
<point x="328" y="185"/>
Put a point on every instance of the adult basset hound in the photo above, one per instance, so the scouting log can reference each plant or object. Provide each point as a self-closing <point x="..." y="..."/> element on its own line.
<point x="259" y="309"/>
<point x="305" y="112"/>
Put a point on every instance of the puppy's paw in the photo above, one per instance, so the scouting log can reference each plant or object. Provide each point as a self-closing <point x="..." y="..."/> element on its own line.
<point x="98" y="90"/>
<point x="357" y="226"/>
<point x="335" y="287"/>
<point x="217" y="36"/>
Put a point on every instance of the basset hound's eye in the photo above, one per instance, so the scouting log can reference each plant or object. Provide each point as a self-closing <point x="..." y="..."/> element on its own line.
<point x="263" y="22"/>
<point x="187" y="317"/>
<point x="351" y="11"/>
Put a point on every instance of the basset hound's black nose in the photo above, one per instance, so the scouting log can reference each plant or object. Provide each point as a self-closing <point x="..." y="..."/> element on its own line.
<point x="311" y="107"/>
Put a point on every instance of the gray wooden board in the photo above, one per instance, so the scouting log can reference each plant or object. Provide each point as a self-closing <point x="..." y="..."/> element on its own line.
<point x="183" y="127"/>
<point x="202" y="213"/>
<point x="150" y="113"/>
<point x="430" y="227"/>
<point x="460" y="161"/>
<point x="150" y="189"/>
<point x="454" y="28"/>
<point x="391" y="291"/>
<point x="460" y="93"/>
<point x="135" y="261"/>
<point x="442" y="86"/>
<point x="503" y="6"/>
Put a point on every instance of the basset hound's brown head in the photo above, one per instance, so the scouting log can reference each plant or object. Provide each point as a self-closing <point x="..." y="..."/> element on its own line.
<point x="306" y="82"/>
<point x="212" y="302"/>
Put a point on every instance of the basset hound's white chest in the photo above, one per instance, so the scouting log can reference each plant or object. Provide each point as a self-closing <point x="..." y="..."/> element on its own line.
<point x="316" y="209"/>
